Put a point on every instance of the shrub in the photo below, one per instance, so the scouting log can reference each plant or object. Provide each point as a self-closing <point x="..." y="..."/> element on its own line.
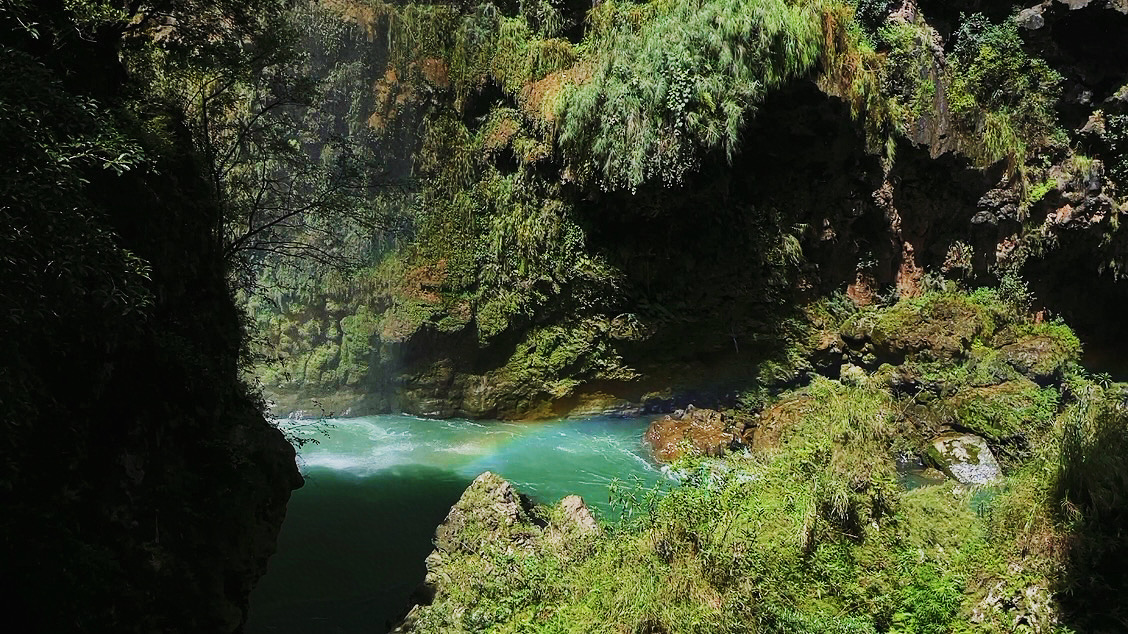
<point x="1092" y="478"/>
<point x="706" y="65"/>
<point x="1116" y="135"/>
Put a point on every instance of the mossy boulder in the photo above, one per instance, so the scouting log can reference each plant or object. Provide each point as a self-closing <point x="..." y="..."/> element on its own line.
<point x="938" y="327"/>
<point x="1039" y="357"/>
<point x="964" y="457"/>
<point x="492" y="522"/>
<point x="777" y="419"/>
<point x="998" y="411"/>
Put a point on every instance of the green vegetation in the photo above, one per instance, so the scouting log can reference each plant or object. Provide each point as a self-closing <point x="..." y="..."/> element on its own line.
<point x="814" y="532"/>
<point x="520" y="122"/>
<point x="160" y="153"/>
<point x="497" y="219"/>
<point x="1001" y="93"/>
<point x="1117" y="138"/>
<point x="707" y="65"/>
<point x="1008" y="408"/>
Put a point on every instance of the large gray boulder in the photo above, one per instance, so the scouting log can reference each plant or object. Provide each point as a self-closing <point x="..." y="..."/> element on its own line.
<point x="965" y="458"/>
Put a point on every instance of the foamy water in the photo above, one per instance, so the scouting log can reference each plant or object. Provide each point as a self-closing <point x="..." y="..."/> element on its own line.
<point x="545" y="459"/>
<point x="352" y="548"/>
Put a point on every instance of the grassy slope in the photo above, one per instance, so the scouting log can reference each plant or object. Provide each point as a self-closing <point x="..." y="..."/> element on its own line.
<point x="817" y="535"/>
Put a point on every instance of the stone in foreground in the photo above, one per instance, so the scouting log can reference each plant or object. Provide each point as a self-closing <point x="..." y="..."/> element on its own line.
<point x="493" y="515"/>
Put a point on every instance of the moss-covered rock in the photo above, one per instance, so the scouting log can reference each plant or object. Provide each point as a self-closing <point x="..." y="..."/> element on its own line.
<point x="998" y="411"/>
<point x="930" y="328"/>
<point x="490" y="510"/>
<point x="495" y="531"/>
<point x="780" y="418"/>
<point x="1041" y="351"/>
<point x="964" y="457"/>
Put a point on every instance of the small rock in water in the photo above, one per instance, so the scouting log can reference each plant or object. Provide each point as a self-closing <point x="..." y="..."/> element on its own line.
<point x="966" y="458"/>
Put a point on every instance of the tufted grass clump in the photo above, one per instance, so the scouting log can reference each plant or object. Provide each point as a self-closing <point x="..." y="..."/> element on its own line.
<point x="1002" y="96"/>
<point x="1092" y="478"/>
<point x="671" y="79"/>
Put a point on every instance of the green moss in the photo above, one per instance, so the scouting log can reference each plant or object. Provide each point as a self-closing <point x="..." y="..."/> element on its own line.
<point x="1039" y="191"/>
<point x="933" y="326"/>
<point x="910" y="75"/>
<point x="357" y="333"/>
<point x="1001" y="96"/>
<point x="552" y="360"/>
<point x="319" y="367"/>
<point x="1002" y="410"/>
<point x="403" y="320"/>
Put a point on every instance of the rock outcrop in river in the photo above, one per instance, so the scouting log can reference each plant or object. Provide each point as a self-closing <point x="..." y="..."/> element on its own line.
<point x="696" y="431"/>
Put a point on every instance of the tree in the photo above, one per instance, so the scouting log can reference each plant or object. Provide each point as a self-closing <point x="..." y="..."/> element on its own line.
<point x="289" y="188"/>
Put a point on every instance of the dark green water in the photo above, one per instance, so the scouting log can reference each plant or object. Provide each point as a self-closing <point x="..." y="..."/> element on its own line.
<point x="352" y="548"/>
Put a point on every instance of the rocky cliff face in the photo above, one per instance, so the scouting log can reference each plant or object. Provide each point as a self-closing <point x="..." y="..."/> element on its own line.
<point x="983" y="147"/>
<point x="142" y="487"/>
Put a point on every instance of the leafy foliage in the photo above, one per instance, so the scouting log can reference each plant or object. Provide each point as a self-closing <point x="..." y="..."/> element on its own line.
<point x="1001" y="92"/>
<point x="59" y="243"/>
<point x="1117" y="138"/>
<point x="671" y="79"/>
<point x="871" y="13"/>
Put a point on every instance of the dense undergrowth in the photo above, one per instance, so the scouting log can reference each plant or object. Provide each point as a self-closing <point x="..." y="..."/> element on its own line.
<point x="818" y="532"/>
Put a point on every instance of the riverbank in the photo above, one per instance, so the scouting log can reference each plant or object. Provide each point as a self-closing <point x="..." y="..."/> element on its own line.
<point x="813" y="526"/>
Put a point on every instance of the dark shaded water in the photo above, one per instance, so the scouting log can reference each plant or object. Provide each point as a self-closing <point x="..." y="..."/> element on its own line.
<point x="352" y="548"/>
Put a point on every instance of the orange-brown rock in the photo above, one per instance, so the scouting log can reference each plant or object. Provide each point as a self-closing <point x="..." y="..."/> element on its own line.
<point x="697" y="431"/>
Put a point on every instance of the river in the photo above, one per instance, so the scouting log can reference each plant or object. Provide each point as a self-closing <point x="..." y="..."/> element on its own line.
<point x="351" y="550"/>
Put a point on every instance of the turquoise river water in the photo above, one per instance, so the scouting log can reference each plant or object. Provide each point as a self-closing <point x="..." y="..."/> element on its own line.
<point x="351" y="550"/>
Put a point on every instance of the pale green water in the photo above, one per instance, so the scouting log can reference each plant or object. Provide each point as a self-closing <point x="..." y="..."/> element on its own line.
<point x="352" y="548"/>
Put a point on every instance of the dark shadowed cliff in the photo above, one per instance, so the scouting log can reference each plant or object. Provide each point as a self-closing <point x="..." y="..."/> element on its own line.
<point x="142" y="487"/>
